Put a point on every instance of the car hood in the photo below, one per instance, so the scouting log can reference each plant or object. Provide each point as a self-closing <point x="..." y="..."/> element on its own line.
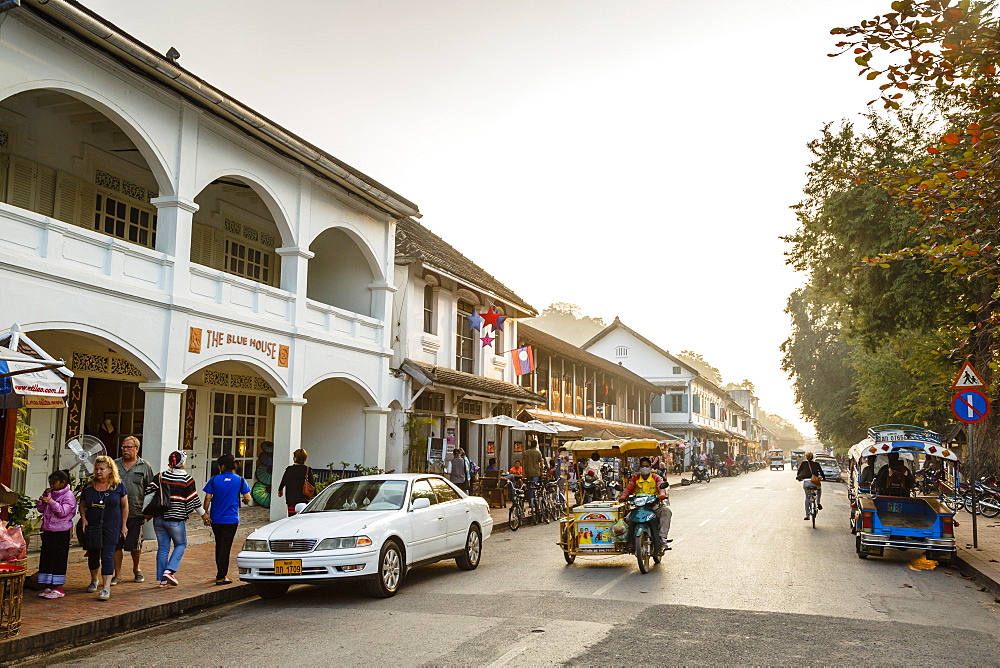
<point x="321" y="525"/>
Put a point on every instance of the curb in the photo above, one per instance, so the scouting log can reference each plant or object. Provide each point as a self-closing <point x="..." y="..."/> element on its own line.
<point x="985" y="573"/>
<point x="74" y="635"/>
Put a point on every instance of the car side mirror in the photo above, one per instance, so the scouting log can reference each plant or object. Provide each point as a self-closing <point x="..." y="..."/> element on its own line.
<point x="299" y="507"/>
<point x="422" y="502"/>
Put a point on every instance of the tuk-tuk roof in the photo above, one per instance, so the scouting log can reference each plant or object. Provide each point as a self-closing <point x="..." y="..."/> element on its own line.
<point x="901" y="438"/>
<point x="622" y="447"/>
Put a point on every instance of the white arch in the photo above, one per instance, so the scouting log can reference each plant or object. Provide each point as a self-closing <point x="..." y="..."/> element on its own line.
<point x="265" y="192"/>
<point x="143" y="361"/>
<point x="275" y="381"/>
<point x="356" y="383"/>
<point x="361" y="241"/>
<point x="158" y="164"/>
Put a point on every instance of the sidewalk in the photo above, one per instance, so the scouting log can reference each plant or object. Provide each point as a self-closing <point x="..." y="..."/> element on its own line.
<point x="983" y="562"/>
<point x="79" y="618"/>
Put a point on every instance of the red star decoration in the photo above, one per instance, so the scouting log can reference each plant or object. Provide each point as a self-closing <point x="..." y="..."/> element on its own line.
<point x="493" y="319"/>
<point x="487" y="340"/>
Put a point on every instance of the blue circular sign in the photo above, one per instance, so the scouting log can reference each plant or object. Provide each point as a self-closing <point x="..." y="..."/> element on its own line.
<point x="970" y="406"/>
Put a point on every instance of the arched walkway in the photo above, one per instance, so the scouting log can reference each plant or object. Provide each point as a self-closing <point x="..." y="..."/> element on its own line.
<point x="342" y="270"/>
<point x="334" y="424"/>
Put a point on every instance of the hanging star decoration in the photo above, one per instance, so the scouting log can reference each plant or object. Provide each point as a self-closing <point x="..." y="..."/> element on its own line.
<point x="487" y="340"/>
<point x="475" y="321"/>
<point x="494" y="320"/>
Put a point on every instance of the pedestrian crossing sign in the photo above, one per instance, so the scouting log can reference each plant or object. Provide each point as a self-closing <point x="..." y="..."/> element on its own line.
<point x="967" y="378"/>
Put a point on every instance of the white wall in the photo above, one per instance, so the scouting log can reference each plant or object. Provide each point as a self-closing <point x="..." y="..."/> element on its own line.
<point x="333" y="425"/>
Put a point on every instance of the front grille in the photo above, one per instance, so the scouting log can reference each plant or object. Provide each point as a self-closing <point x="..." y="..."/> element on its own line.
<point x="292" y="545"/>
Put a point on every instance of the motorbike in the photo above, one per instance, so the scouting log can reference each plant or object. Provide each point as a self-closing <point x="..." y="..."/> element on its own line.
<point x="612" y="488"/>
<point x="643" y="528"/>
<point x="700" y="473"/>
<point x="591" y="487"/>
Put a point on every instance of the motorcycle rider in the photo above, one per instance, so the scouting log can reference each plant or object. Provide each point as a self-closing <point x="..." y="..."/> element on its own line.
<point x="647" y="482"/>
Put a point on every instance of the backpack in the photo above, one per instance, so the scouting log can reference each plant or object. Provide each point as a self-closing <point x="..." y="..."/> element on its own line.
<point x="896" y="480"/>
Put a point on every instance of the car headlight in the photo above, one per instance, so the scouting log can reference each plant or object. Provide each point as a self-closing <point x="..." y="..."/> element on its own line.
<point x="254" y="545"/>
<point x="345" y="542"/>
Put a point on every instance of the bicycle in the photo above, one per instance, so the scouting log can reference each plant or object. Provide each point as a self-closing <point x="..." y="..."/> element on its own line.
<point x="813" y="505"/>
<point x="536" y="504"/>
<point x="516" y="514"/>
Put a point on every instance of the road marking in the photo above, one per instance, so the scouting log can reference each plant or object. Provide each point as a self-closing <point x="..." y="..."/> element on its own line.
<point x="612" y="583"/>
<point x="724" y="510"/>
<point x="704" y="523"/>
<point x="506" y="658"/>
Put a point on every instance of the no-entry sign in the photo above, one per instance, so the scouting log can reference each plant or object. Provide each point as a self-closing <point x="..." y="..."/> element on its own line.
<point x="970" y="406"/>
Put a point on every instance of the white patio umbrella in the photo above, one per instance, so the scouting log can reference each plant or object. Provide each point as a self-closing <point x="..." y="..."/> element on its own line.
<point x="536" y="425"/>
<point x="563" y="427"/>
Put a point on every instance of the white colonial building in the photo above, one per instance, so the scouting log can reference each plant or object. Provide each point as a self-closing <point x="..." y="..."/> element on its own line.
<point x="692" y="406"/>
<point x="212" y="280"/>
<point x="446" y="374"/>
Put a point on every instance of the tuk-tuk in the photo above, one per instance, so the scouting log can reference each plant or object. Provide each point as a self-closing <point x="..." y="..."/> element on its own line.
<point x="588" y="529"/>
<point x="776" y="459"/>
<point x="899" y="521"/>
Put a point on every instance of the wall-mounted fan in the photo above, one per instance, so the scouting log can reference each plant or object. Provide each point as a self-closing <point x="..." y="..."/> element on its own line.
<point x="83" y="450"/>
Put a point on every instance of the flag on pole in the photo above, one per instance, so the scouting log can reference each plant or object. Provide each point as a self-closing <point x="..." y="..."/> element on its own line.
<point x="524" y="360"/>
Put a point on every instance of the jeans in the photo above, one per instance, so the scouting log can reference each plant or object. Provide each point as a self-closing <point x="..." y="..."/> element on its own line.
<point x="224" y="534"/>
<point x="532" y="482"/>
<point x="806" y="484"/>
<point x="169" y="531"/>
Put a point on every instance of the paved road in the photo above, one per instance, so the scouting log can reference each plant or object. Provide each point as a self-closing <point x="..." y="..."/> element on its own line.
<point x="748" y="581"/>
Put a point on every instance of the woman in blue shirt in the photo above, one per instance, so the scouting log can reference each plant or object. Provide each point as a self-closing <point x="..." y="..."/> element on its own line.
<point x="222" y="503"/>
<point x="103" y="504"/>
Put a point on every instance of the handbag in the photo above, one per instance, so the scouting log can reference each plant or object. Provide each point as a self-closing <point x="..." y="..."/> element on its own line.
<point x="157" y="506"/>
<point x="308" y="489"/>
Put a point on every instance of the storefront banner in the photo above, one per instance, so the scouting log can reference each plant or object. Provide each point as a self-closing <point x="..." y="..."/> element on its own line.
<point x="35" y="401"/>
<point x="42" y="383"/>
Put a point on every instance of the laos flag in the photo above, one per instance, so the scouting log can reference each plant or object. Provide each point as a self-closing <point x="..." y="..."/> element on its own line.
<point x="524" y="360"/>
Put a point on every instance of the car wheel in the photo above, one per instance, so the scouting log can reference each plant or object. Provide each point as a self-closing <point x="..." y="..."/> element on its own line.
<point x="390" y="572"/>
<point x="469" y="559"/>
<point x="266" y="589"/>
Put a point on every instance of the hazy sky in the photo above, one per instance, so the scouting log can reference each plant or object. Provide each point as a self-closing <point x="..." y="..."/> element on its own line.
<point x="634" y="157"/>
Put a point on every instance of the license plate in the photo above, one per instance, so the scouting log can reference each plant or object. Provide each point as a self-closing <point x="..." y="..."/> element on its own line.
<point x="288" y="567"/>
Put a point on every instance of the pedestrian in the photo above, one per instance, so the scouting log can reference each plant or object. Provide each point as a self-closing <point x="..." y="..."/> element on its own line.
<point x="103" y="508"/>
<point x="533" y="463"/>
<point x="136" y="475"/>
<point x="57" y="506"/>
<point x="181" y="496"/>
<point x="294" y="479"/>
<point x="458" y="471"/>
<point x="222" y="501"/>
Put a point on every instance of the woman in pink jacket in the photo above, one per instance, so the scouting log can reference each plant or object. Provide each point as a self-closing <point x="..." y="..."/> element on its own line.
<point x="57" y="506"/>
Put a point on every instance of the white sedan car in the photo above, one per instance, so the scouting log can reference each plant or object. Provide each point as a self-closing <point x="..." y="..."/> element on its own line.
<point x="371" y="527"/>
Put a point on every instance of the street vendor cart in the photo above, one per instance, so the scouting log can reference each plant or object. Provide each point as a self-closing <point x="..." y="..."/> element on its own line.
<point x="588" y="530"/>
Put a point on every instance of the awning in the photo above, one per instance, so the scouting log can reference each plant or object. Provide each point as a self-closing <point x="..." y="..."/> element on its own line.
<point x="604" y="429"/>
<point x="28" y="381"/>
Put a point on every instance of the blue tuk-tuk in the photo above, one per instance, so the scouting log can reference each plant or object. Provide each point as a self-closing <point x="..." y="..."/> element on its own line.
<point x="899" y="521"/>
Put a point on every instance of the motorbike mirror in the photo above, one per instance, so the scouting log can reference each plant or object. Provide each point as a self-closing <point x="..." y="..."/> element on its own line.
<point x="664" y="485"/>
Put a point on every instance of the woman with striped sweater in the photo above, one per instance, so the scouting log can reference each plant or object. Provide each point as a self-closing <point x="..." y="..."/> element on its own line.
<point x="179" y="488"/>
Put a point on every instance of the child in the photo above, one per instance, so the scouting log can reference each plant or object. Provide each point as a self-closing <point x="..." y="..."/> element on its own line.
<point x="57" y="506"/>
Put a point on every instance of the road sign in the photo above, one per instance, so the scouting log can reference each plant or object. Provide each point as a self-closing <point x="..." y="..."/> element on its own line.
<point x="967" y="378"/>
<point x="970" y="406"/>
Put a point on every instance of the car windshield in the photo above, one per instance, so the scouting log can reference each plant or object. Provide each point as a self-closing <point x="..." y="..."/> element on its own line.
<point x="360" y="495"/>
<point x="827" y="462"/>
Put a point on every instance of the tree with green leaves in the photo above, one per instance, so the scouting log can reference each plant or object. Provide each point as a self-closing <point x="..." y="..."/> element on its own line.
<point x="947" y="51"/>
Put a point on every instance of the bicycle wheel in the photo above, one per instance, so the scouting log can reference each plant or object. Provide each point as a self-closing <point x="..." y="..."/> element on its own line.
<point x="813" y="510"/>
<point x="953" y="501"/>
<point x="514" y="517"/>
<point x="989" y="505"/>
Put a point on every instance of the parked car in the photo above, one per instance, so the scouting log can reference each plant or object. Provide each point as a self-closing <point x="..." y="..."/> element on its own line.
<point x="371" y="527"/>
<point x="831" y="469"/>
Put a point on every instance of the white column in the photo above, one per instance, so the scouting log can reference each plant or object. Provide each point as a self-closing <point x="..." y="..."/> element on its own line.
<point x="376" y="434"/>
<point x="294" y="275"/>
<point x="174" y="218"/>
<point x="161" y="432"/>
<point x="287" y="439"/>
